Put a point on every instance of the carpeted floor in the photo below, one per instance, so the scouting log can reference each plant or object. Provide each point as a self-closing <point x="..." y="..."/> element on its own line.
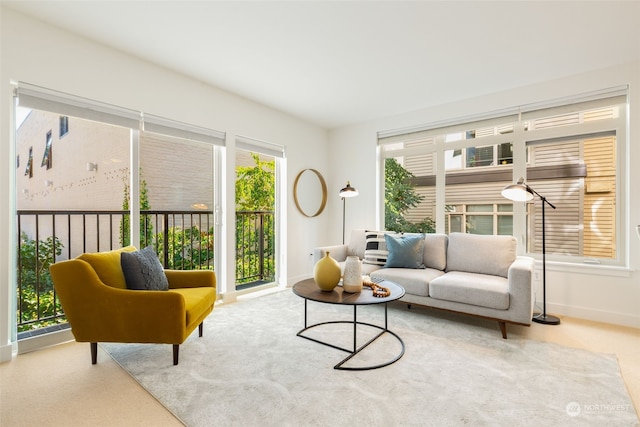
<point x="249" y="369"/>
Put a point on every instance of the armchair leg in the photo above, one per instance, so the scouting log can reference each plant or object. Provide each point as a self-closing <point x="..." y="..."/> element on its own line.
<point x="94" y="353"/>
<point x="200" y="328"/>
<point x="176" y="351"/>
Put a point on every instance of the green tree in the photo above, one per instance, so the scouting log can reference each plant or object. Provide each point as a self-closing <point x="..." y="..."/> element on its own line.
<point x="400" y="196"/>
<point x="255" y="186"/>
<point x="146" y="225"/>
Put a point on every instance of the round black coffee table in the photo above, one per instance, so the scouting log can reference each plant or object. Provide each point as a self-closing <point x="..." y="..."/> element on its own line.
<point x="308" y="290"/>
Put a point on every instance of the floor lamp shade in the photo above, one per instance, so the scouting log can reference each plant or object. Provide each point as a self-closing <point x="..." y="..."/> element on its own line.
<point x="521" y="192"/>
<point x="345" y="193"/>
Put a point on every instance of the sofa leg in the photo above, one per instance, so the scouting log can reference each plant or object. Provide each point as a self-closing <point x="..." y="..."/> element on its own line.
<point x="409" y="306"/>
<point x="503" y="329"/>
<point x="200" y="329"/>
<point x="94" y="352"/>
<point x="176" y="351"/>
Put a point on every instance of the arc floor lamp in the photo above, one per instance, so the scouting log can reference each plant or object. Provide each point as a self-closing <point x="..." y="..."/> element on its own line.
<point x="521" y="192"/>
<point x="346" y="192"/>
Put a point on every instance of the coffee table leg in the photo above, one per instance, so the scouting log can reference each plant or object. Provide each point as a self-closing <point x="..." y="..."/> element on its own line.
<point x="305" y="313"/>
<point x="355" y="350"/>
<point x="355" y="328"/>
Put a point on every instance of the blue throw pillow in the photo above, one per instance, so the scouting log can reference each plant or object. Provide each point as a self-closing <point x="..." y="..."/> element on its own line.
<point x="143" y="271"/>
<point x="405" y="250"/>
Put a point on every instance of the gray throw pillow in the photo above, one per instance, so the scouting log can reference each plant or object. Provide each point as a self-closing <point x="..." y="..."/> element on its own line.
<point x="143" y="271"/>
<point x="405" y="251"/>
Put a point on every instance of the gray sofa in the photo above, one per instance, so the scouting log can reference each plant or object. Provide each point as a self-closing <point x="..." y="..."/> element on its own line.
<point x="465" y="273"/>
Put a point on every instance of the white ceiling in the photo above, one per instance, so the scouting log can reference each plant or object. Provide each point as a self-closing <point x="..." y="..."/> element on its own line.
<point x="335" y="63"/>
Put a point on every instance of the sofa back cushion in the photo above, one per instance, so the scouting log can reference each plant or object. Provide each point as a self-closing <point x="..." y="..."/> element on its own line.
<point x="356" y="243"/>
<point x="107" y="266"/>
<point x="481" y="254"/>
<point x="435" y="251"/>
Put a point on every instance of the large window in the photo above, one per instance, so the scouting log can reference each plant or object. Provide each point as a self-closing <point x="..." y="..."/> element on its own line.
<point x="569" y="151"/>
<point x="114" y="183"/>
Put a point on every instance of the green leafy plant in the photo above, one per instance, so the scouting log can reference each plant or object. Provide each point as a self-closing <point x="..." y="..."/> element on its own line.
<point x="255" y="186"/>
<point x="400" y="196"/>
<point x="36" y="296"/>
<point x="188" y="249"/>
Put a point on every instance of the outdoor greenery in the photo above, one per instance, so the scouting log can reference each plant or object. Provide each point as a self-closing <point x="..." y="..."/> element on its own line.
<point x="188" y="249"/>
<point x="400" y="196"/>
<point x="146" y="227"/>
<point x="255" y="196"/>
<point x="36" y="299"/>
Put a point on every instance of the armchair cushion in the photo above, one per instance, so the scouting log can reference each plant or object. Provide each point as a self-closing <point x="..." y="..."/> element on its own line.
<point x="107" y="266"/>
<point x="143" y="271"/>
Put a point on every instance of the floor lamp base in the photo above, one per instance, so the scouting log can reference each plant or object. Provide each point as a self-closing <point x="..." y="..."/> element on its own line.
<point x="546" y="319"/>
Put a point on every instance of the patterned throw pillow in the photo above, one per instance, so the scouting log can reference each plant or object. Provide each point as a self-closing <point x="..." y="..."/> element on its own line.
<point x="143" y="271"/>
<point x="375" y="249"/>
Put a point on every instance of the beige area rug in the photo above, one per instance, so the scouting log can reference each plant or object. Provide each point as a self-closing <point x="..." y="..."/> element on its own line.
<point x="250" y="369"/>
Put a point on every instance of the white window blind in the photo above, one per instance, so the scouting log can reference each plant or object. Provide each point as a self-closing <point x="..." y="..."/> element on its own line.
<point x="262" y="147"/>
<point x="38" y="98"/>
<point x="163" y="126"/>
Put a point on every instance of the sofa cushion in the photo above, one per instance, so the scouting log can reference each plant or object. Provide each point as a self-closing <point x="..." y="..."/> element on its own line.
<point x="107" y="266"/>
<point x="375" y="248"/>
<point x="356" y="243"/>
<point x="414" y="281"/>
<point x="196" y="301"/>
<point x="435" y="251"/>
<point x="405" y="250"/>
<point x="481" y="254"/>
<point x="143" y="271"/>
<point x="470" y="288"/>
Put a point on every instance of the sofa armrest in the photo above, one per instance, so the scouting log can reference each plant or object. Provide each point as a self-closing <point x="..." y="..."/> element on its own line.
<point x="520" y="277"/>
<point x="337" y="252"/>
<point x="190" y="278"/>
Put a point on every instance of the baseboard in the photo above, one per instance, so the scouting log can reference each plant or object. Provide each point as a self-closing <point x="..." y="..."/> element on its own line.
<point x="585" y="313"/>
<point x="6" y="353"/>
<point x="46" y="340"/>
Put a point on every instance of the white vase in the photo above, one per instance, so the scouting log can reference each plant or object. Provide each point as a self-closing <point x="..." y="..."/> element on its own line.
<point x="352" y="279"/>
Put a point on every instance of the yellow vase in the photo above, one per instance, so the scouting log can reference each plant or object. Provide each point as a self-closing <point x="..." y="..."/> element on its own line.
<point x="327" y="273"/>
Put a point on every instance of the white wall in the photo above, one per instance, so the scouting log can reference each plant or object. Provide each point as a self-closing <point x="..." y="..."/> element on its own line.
<point x="583" y="291"/>
<point x="37" y="53"/>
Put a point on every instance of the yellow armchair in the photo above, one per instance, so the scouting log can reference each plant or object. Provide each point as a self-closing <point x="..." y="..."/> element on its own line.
<point x="99" y="308"/>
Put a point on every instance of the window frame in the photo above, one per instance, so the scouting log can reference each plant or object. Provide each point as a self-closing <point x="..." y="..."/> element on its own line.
<point x="521" y="135"/>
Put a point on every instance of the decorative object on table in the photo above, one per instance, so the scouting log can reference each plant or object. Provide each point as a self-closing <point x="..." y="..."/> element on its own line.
<point x="378" y="291"/>
<point x="310" y="192"/>
<point x="352" y="280"/>
<point x="521" y="192"/>
<point x="347" y="191"/>
<point x="326" y="273"/>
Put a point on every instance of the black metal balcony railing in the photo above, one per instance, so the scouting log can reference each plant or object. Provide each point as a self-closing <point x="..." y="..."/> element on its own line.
<point x="184" y="240"/>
